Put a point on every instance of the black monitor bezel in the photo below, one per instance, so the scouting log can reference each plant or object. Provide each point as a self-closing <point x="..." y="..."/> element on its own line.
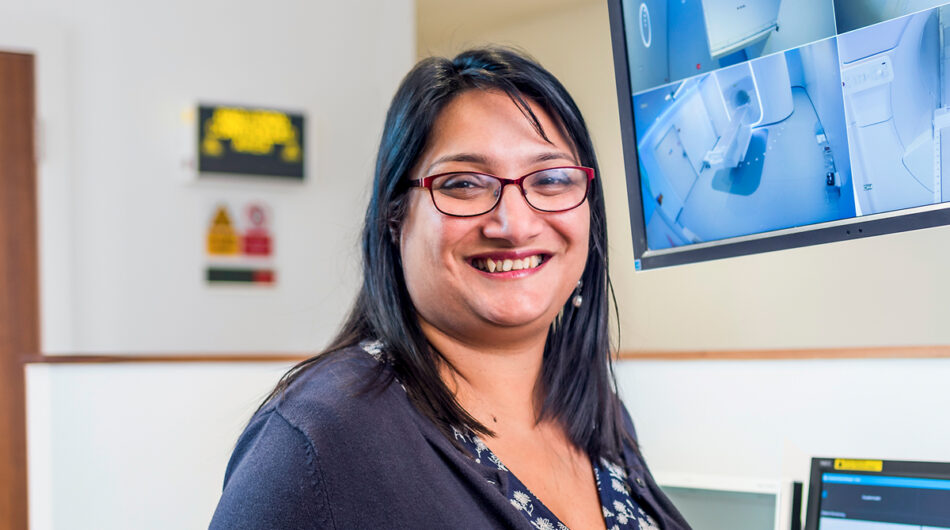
<point x="894" y="468"/>
<point x="843" y="230"/>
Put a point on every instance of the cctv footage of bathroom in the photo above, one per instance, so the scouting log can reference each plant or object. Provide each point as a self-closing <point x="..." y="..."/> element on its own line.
<point x="762" y="115"/>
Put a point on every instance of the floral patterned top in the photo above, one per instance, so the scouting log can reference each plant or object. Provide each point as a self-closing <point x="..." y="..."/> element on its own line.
<point x="621" y="512"/>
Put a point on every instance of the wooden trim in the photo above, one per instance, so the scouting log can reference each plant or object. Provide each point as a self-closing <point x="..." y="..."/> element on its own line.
<point x="875" y="352"/>
<point x="166" y="358"/>
<point x="19" y="282"/>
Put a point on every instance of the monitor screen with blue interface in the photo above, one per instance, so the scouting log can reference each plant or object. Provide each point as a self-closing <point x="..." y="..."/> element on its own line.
<point x="847" y="494"/>
<point x="751" y="120"/>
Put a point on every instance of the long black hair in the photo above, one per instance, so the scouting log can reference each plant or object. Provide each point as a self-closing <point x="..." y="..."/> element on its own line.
<point x="577" y="374"/>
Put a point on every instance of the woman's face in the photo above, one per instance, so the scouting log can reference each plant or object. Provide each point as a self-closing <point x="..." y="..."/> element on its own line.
<point x="444" y="257"/>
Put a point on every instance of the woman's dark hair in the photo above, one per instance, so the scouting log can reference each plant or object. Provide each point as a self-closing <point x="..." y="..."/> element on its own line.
<point x="577" y="372"/>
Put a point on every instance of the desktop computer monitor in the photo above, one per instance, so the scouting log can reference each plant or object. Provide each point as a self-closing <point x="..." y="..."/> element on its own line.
<point x="850" y="494"/>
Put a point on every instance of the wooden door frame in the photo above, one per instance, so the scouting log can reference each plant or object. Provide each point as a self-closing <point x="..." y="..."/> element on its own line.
<point x="19" y="280"/>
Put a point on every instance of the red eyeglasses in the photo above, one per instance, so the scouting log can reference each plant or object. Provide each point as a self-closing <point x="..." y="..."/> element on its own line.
<point x="469" y="193"/>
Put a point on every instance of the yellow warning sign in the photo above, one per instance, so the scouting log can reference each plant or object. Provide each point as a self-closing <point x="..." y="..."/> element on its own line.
<point x="843" y="464"/>
<point x="223" y="239"/>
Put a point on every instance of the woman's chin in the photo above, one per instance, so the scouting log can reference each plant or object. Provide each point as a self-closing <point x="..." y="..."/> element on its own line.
<point x="515" y="317"/>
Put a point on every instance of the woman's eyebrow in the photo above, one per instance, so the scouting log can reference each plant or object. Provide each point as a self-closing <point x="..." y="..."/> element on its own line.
<point x="459" y="157"/>
<point x="475" y="158"/>
<point x="554" y="155"/>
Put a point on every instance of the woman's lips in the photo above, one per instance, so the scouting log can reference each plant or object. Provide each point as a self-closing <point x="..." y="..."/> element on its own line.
<point x="492" y="265"/>
<point x="508" y="262"/>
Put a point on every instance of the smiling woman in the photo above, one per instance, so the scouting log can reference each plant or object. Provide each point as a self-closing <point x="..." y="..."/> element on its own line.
<point x="485" y="131"/>
<point x="471" y="385"/>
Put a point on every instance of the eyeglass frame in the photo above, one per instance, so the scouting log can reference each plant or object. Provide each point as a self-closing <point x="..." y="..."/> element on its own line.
<point x="426" y="182"/>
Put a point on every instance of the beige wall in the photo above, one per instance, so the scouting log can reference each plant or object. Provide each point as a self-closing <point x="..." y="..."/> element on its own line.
<point x="882" y="291"/>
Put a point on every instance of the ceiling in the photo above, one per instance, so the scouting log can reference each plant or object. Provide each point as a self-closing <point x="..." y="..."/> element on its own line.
<point x="438" y="20"/>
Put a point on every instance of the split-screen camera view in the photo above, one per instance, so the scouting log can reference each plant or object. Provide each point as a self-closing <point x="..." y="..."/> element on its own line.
<point x="760" y="115"/>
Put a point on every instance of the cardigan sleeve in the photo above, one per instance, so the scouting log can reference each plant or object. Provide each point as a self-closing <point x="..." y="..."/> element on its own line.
<point x="273" y="480"/>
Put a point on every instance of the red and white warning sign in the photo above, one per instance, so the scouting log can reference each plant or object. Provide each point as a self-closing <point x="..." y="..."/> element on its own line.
<point x="257" y="238"/>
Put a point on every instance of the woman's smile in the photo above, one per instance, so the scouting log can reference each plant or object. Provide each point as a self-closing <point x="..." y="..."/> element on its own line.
<point x="509" y="264"/>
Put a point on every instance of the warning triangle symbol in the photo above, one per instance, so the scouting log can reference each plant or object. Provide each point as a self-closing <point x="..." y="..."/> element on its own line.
<point x="221" y="218"/>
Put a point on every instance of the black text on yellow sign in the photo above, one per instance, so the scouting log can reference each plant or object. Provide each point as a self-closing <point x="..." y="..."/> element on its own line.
<point x="222" y="238"/>
<point x="843" y="464"/>
<point x="250" y="141"/>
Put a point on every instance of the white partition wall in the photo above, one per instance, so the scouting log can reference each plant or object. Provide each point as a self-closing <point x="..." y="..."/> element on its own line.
<point x="123" y="220"/>
<point x="120" y="446"/>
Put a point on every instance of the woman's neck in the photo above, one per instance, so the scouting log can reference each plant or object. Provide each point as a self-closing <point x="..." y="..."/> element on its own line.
<point x="499" y="385"/>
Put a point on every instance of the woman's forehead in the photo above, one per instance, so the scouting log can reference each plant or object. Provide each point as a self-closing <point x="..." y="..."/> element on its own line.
<point x="487" y="126"/>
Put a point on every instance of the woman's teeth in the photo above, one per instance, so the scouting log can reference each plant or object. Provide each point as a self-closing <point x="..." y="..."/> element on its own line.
<point x="505" y="265"/>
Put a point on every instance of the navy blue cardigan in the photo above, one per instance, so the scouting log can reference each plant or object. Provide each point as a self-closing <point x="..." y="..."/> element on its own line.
<point x="323" y="455"/>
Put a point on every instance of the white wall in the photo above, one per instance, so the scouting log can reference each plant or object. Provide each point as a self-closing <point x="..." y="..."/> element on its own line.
<point x="801" y="21"/>
<point x="129" y="241"/>
<point x="122" y="226"/>
<point x="122" y="446"/>
<point x="758" y="418"/>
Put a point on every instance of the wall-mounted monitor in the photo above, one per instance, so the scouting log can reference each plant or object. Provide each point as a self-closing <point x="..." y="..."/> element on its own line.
<point x="757" y="125"/>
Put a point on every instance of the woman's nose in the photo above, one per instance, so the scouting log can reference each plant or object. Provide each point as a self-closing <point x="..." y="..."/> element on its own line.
<point x="512" y="219"/>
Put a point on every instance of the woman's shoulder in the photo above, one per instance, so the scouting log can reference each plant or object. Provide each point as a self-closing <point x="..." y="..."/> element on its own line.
<point x="303" y="446"/>
<point x="351" y="388"/>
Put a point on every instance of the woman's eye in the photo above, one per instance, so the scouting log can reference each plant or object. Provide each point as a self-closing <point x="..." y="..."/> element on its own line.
<point x="552" y="182"/>
<point x="462" y="185"/>
<point x="461" y="182"/>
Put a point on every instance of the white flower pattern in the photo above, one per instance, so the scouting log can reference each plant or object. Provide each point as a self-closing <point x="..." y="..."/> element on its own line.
<point x="542" y="523"/>
<point x="522" y="501"/>
<point x="619" y="509"/>
<point x="617" y="485"/>
<point x="626" y="513"/>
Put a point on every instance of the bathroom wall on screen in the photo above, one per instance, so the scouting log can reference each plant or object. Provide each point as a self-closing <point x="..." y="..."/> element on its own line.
<point x="671" y="40"/>
<point x="744" y="149"/>
<point x="827" y="99"/>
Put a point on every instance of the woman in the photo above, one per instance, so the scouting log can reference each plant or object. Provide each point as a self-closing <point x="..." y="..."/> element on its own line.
<point x="471" y="384"/>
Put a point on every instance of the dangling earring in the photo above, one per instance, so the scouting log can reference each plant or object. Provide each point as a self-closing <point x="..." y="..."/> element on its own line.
<point x="577" y="299"/>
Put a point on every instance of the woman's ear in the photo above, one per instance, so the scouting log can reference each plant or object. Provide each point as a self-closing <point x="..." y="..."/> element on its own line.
<point x="394" y="233"/>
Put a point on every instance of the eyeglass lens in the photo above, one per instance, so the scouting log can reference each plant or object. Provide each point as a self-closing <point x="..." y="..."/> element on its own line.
<point x="549" y="190"/>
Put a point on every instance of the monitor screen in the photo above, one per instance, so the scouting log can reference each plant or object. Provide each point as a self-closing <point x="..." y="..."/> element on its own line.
<point x="848" y="494"/>
<point x="756" y="125"/>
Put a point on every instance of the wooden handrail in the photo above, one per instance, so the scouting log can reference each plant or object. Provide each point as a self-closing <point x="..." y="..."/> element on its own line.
<point x="872" y="352"/>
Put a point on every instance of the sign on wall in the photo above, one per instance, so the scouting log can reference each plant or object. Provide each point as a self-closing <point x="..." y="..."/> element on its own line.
<point x="240" y="248"/>
<point x="250" y="141"/>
